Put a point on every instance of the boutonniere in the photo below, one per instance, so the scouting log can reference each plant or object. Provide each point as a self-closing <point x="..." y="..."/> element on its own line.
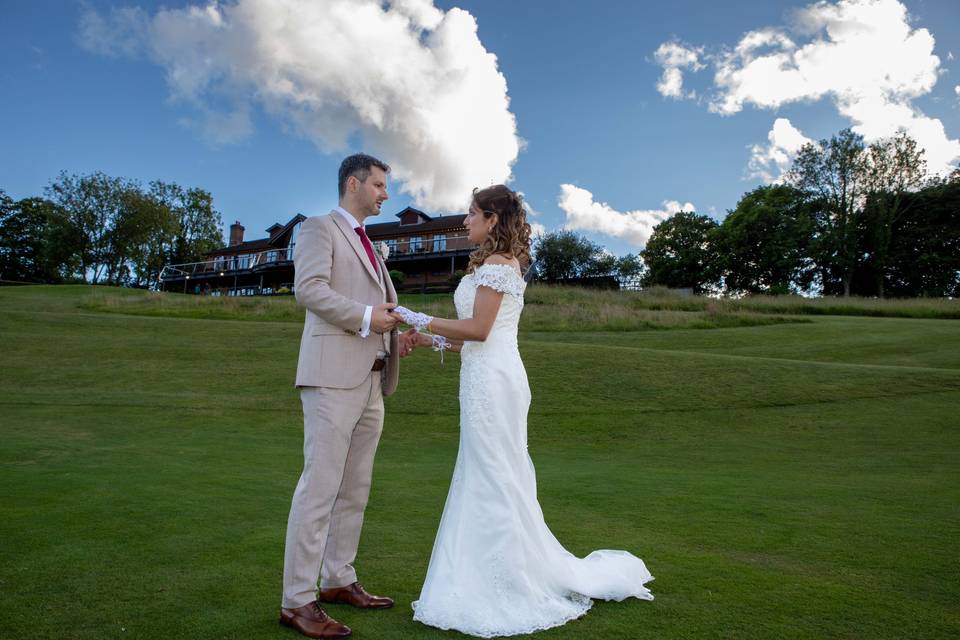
<point x="384" y="250"/>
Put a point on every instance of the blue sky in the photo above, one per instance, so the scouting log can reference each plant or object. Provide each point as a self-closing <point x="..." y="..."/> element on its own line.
<point x="88" y="89"/>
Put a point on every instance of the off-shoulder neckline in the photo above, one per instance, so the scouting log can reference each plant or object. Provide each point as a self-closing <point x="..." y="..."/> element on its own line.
<point x="502" y="266"/>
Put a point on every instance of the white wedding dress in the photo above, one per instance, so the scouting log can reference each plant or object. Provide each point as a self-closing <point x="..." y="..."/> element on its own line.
<point x="496" y="570"/>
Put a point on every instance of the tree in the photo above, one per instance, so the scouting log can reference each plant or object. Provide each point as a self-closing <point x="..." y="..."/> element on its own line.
<point x="24" y="231"/>
<point x="88" y="208"/>
<point x="198" y="224"/>
<point x="142" y="237"/>
<point x="565" y="255"/>
<point x="680" y="253"/>
<point x="629" y="267"/>
<point x="763" y="243"/>
<point x="833" y="176"/>
<point x="895" y="168"/>
<point x="924" y="257"/>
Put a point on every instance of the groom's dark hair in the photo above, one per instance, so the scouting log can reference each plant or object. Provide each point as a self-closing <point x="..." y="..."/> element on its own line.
<point x="358" y="165"/>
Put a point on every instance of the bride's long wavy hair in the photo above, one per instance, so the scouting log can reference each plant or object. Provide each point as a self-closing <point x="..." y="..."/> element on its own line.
<point x="511" y="235"/>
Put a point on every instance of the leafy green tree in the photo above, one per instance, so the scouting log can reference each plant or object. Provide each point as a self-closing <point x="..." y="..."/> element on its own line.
<point x="601" y="264"/>
<point x="109" y="230"/>
<point x="24" y="249"/>
<point x="198" y="224"/>
<point x="763" y="243"/>
<point x="895" y="168"/>
<point x="142" y="237"/>
<point x="629" y="267"/>
<point x="833" y="175"/>
<point x="565" y="255"/>
<point x="924" y="254"/>
<point x="88" y="206"/>
<point x="680" y="253"/>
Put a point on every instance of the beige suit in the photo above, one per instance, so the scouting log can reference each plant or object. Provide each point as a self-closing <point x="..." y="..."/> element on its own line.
<point x="342" y="404"/>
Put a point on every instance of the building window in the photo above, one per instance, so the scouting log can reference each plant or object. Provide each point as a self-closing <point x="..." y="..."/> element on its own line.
<point x="218" y="263"/>
<point x="271" y="256"/>
<point x="440" y="242"/>
<point x="415" y="244"/>
<point x="392" y="243"/>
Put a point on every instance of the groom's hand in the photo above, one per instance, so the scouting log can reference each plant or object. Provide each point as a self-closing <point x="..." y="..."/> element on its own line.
<point x="408" y="342"/>
<point x="381" y="320"/>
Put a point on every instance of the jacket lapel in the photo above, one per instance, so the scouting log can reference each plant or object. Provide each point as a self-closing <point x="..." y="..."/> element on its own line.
<point x="384" y="274"/>
<point x="354" y="240"/>
<point x="388" y="289"/>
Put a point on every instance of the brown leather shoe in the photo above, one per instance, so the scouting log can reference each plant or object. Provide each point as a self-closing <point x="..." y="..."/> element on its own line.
<point x="354" y="595"/>
<point x="313" y="622"/>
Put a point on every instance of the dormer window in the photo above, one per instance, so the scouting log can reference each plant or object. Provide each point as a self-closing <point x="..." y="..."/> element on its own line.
<point x="411" y="216"/>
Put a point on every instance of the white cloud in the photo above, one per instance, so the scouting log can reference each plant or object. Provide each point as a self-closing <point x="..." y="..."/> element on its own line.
<point x="864" y="55"/>
<point x="673" y="57"/>
<point x="413" y="81"/>
<point x="537" y="229"/>
<point x="121" y="32"/>
<point x="221" y="127"/>
<point x="636" y="227"/>
<point x="769" y="162"/>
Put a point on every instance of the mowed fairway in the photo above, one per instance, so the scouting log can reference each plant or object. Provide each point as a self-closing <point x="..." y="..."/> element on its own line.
<point x="780" y="481"/>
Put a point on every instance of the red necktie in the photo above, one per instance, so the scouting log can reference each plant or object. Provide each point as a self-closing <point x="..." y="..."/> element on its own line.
<point x="365" y="241"/>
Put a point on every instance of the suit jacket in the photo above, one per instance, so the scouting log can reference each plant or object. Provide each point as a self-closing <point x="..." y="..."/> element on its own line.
<point x="334" y="280"/>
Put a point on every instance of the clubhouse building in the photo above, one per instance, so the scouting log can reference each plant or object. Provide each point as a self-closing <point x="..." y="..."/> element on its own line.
<point x="427" y="250"/>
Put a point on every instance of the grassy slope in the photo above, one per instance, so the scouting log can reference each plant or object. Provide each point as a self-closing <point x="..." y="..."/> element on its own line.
<point x="791" y="480"/>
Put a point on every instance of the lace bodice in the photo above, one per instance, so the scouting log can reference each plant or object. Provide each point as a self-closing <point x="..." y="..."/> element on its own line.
<point x="500" y="277"/>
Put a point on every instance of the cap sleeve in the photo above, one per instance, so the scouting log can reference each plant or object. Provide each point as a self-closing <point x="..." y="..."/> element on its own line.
<point x="499" y="277"/>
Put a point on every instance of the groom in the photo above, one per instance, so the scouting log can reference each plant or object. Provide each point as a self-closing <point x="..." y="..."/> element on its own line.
<point x="348" y="362"/>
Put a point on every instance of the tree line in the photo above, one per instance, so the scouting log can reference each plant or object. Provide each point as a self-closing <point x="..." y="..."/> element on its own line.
<point x="848" y="219"/>
<point x="105" y="230"/>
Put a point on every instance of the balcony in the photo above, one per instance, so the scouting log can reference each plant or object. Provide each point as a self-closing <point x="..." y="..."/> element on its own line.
<point x="425" y="259"/>
<point x="228" y="266"/>
<point x="407" y="249"/>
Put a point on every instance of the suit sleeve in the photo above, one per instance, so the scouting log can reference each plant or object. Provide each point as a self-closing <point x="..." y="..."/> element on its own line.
<point x="312" y="262"/>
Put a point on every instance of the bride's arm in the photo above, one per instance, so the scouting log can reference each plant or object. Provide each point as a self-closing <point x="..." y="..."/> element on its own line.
<point x="425" y="340"/>
<point x="486" y="304"/>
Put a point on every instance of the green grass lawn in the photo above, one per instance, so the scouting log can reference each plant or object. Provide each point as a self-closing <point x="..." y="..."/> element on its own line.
<point x="781" y="479"/>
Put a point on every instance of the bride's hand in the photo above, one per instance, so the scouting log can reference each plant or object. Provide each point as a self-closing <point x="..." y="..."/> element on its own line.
<point x="412" y="318"/>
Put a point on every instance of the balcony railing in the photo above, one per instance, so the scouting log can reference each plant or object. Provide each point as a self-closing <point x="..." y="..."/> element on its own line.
<point x="405" y="247"/>
<point x="425" y="246"/>
<point x="225" y="265"/>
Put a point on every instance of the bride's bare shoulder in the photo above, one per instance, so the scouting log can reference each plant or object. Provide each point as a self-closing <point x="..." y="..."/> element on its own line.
<point x="499" y="258"/>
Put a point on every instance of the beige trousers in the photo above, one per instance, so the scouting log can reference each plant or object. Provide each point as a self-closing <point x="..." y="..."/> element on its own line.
<point x="341" y="429"/>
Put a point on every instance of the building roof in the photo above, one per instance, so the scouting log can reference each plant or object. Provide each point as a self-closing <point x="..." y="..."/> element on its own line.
<point x="247" y="246"/>
<point x="277" y="231"/>
<point x="439" y="223"/>
<point x="380" y="231"/>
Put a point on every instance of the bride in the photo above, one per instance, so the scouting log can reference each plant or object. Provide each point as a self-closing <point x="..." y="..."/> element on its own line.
<point x="496" y="569"/>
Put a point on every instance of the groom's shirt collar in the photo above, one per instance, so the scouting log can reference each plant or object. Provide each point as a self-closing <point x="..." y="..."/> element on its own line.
<point x="347" y="216"/>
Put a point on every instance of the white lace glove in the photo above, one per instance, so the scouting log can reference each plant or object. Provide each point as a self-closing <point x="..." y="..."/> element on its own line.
<point x="439" y="344"/>
<point x="415" y="319"/>
<point x="419" y="321"/>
